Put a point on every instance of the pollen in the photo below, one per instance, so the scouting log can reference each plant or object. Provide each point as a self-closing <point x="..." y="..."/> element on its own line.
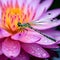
<point x="12" y="15"/>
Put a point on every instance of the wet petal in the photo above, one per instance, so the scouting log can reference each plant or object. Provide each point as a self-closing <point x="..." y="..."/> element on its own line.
<point x="4" y="33"/>
<point x="42" y="8"/>
<point x="29" y="36"/>
<point x="22" y="56"/>
<point x="11" y="48"/>
<point x="1" y="48"/>
<point x="0" y="15"/>
<point x="51" y="46"/>
<point x="35" y="50"/>
<point x="53" y="33"/>
<point x="45" y="41"/>
<point x="1" y="41"/>
<point x="50" y="14"/>
<point x="46" y="21"/>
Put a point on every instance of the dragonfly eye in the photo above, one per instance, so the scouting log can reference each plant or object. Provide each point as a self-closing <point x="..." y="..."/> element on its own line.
<point x="19" y="24"/>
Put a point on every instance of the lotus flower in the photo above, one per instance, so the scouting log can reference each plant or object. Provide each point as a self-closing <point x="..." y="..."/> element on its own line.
<point x="26" y="26"/>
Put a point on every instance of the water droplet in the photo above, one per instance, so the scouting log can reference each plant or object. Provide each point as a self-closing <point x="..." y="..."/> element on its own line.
<point x="32" y="52"/>
<point x="54" y="20"/>
<point x="49" y="13"/>
<point x="44" y="55"/>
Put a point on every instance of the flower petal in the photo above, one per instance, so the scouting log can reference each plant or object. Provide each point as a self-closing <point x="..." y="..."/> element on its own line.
<point x="46" y="3"/>
<point x="1" y="40"/>
<point x="42" y="25"/>
<point x="45" y="41"/>
<point x="22" y="56"/>
<point x="1" y="48"/>
<point x="53" y="33"/>
<point x="51" y="46"/>
<point x="4" y="33"/>
<point x="35" y="50"/>
<point x="3" y="1"/>
<point x="50" y="15"/>
<point x="29" y="36"/>
<point x="11" y="48"/>
<point x="32" y="6"/>
<point x="42" y="8"/>
<point x="46" y="21"/>
<point x="21" y="3"/>
<point x="0" y="15"/>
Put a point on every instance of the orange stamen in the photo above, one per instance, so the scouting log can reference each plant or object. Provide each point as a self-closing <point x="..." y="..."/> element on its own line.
<point x="12" y="15"/>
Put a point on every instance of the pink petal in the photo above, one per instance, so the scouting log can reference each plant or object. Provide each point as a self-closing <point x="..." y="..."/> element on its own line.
<point x="0" y="15"/>
<point x="50" y="14"/>
<point x="45" y="41"/>
<point x="4" y="33"/>
<point x="51" y="46"/>
<point x="30" y="2"/>
<point x="47" y="21"/>
<point x="53" y="33"/>
<point x="42" y="25"/>
<point x="3" y="1"/>
<point x="1" y="41"/>
<point x="46" y="3"/>
<point x="22" y="56"/>
<point x="21" y="2"/>
<point x="29" y="36"/>
<point x="43" y="7"/>
<point x="35" y="50"/>
<point x="33" y="5"/>
<point x="11" y="48"/>
<point x="1" y="48"/>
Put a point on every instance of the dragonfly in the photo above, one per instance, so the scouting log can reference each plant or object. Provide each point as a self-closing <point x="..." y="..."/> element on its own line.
<point x="29" y="26"/>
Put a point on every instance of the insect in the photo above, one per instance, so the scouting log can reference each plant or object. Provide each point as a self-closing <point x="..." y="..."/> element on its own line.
<point x="28" y="25"/>
<point x="23" y="25"/>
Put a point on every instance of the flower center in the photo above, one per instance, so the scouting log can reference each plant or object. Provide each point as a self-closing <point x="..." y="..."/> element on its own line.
<point x="12" y="15"/>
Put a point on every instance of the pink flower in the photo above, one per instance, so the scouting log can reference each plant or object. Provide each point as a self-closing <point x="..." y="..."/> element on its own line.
<point x="19" y="22"/>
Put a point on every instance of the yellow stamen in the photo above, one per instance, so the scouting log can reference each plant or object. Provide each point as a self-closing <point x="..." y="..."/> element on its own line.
<point x="12" y="15"/>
